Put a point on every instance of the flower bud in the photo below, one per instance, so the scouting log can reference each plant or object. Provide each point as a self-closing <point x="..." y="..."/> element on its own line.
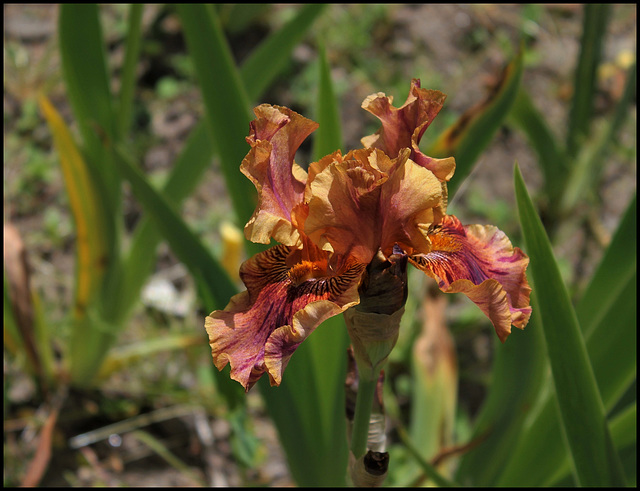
<point x="374" y="323"/>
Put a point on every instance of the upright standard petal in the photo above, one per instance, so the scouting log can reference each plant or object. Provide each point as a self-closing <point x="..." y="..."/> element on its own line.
<point x="343" y="203"/>
<point x="411" y="200"/>
<point x="480" y="262"/>
<point x="403" y="127"/>
<point x="365" y="201"/>
<point x="275" y="136"/>
<point x="289" y="293"/>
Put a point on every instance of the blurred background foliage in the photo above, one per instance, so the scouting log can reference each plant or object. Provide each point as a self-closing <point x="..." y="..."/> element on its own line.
<point x="135" y="355"/>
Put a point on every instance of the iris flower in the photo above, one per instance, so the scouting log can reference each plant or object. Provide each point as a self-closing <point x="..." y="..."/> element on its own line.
<point x="378" y="203"/>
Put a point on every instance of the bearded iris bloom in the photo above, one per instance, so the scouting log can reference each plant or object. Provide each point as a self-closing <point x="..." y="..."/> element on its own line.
<point x="378" y="203"/>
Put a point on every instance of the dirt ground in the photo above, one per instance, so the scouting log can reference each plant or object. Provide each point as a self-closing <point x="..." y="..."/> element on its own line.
<point x="458" y="49"/>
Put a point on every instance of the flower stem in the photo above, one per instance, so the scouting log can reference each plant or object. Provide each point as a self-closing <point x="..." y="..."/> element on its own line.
<point x="364" y="403"/>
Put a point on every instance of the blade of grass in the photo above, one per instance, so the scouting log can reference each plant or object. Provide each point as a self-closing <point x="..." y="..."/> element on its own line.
<point x="611" y="347"/>
<point x="608" y="301"/>
<point x="13" y="340"/>
<point x="127" y="81"/>
<point x="328" y="137"/>
<point x="618" y="264"/>
<point x="122" y="357"/>
<point x="85" y="71"/>
<point x="429" y="470"/>
<point x="623" y="429"/>
<point x="434" y="387"/>
<point x="163" y="452"/>
<point x="308" y="400"/>
<point x="593" y="30"/>
<point x="235" y="17"/>
<point x="467" y="138"/>
<point x="272" y="56"/>
<point x="187" y="170"/>
<point x="87" y="80"/>
<point x="225" y="100"/>
<point x="212" y="281"/>
<point x="594" y="458"/>
<point x="19" y="312"/>
<point x="619" y="371"/>
<point x="183" y="242"/>
<point x="624" y="432"/>
<point x="88" y="344"/>
<point x="84" y="68"/>
<point x="90" y="228"/>
<point x="550" y="156"/>
<point x="517" y="376"/>
<point x="587" y="169"/>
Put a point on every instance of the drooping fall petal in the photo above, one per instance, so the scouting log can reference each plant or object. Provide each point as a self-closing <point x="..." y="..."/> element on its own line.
<point x="289" y="293"/>
<point x="480" y="262"/>
<point x="403" y="127"/>
<point x="275" y="136"/>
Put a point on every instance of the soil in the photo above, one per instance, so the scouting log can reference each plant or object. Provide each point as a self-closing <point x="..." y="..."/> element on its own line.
<point x="459" y="49"/>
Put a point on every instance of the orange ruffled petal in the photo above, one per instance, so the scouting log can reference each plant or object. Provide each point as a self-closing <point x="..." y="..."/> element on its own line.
<point x="343" y="203"/>
<point x="365" y="201"/>
<point x="275" y="136"/>
<point x="261" y="328"/>
<point x="411" y="200"/>
<point x="480" y="262"/>
<point x="403" y="127"/>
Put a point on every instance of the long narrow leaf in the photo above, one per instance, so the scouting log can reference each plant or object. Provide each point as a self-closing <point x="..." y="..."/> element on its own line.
<point x="19" y="327"/>
<point x="123" y="357"/>
<point x="269" y="59"/>
<point x="211" y="279"/>
<point x="328" y="137"/>
<point x="183" y="242"/>
<point x="303" y="409"/>
<point x="434" y="385"/>
<point x="623" y="434"/>
<point x="226" y="103"/>
<point x="84" y="68"/>
<point x="611" y="349"/>
<point x="617" y="266"/>
<point x="91" y="233"/>
<point x="586" y="172"/>
<point x="127" y="82"/>
<point x="88" y="343"/>
<point x="582" y="413"/>
<point x="550" y="155"/>
<point x="594" y="27"/>
<point x="611" y="345"/>
<point x="518" y="375"/>
<point x="187" y="170"/>
<point x="468" y="137"/>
